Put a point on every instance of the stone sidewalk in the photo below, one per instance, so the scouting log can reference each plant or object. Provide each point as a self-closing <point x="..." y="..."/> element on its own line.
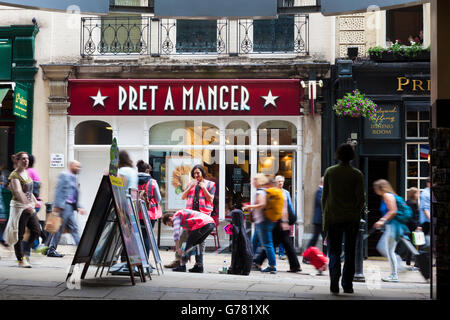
<point x="46" y="280"/>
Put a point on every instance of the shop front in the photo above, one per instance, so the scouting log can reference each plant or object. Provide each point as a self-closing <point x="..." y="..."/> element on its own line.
<point x="396" y="147"/>
<point x="17" y="71"/>
<point x="235" y="128"/>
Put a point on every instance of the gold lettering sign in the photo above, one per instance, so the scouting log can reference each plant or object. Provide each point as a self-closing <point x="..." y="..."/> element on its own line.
<point x="386" y="123"/>
<point x="416" y="85"/>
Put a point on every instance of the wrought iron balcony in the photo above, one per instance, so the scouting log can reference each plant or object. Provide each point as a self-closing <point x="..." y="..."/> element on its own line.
<point x="141" y="35"/>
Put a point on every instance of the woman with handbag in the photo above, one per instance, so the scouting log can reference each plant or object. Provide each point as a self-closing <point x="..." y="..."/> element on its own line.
<point x="22" y="209"/>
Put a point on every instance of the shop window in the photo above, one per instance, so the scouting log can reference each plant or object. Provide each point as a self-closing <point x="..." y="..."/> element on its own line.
<point x="417" y="123"/>
<point x="173" y="173"/>
<point x="237" y="133"/>
<point x="93" y="132"/>
<point x="417" y="166"/>
<point x="274" y="35"/>
<point x="196" y="36"/>
<point x="277" y="132"/>
<point x="404" y="25"/>
<point x="184" y="133"/>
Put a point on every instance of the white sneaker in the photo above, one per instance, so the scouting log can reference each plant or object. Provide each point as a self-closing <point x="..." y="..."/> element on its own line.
<point x="24" y="263"/>
<point x="390" y="278"/>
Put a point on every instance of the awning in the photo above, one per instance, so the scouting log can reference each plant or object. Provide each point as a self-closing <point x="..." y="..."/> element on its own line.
<point x="339" y="7"/>
<point x="82" y="6"/>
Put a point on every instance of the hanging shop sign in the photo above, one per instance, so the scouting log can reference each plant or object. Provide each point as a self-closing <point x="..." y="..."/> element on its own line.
<point x="20" y="101"/>
<point x="387" y="124"/>
<point x="185" y="97"/>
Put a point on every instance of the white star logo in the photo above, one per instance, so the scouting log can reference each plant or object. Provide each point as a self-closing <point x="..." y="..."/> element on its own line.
<point x="270" y="99"/>
<point x="99" y="99"/>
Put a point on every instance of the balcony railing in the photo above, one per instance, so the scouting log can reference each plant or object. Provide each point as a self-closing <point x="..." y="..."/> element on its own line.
<point x="144" y="35"/>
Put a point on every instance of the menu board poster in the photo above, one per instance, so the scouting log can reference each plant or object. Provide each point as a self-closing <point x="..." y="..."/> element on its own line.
<point x="386" y="124"/>
<point x="124" y="215"/>
<point x="178" y="176"/>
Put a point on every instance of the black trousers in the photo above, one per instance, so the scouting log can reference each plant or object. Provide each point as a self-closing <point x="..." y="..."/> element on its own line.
<point x="335" y="235"/>
<point x="196" y="237"/>
<point x="31" y="221"/>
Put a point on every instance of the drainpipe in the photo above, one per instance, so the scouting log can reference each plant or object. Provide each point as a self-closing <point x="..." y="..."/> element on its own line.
<point x="300" y="184"/>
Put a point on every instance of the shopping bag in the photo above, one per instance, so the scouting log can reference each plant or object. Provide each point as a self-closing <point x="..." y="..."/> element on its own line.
<point x="418" y="238"/>
<point x="53" y="222"/>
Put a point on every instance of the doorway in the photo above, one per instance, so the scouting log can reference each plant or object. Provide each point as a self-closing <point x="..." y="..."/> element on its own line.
<point x="387" y="168"/>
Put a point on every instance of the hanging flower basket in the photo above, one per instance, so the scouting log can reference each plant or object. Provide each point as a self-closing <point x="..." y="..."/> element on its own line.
<point x="355" y="104"/>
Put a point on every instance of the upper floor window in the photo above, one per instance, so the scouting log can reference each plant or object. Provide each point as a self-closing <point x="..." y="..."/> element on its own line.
<point x="196" y="36"/>
<point x="120" y="34"/>
<point x="404" y="25"/>
<point x="417" y="123"/>
<point x="275" y="35"/>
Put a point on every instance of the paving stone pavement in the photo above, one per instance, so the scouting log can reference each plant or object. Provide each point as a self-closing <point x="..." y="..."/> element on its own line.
<point x="46" y="280"/>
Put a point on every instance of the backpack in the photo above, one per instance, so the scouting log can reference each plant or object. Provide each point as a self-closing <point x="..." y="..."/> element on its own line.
<point x="404" y="212"/>
<point x="274" y="204"/>
<point x="143" y="193"/>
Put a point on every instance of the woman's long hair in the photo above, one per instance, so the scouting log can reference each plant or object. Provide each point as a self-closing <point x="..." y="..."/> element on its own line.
<point x="384" y="186"/>
<point x="124" y="159"/>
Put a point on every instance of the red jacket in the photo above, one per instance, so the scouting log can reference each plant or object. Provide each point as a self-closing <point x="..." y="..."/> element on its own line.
<point x="193" y="220"/>
<point x="204" y="205"/>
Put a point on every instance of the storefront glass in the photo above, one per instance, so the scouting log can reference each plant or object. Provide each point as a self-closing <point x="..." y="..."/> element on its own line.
<point x="93" y="132"/>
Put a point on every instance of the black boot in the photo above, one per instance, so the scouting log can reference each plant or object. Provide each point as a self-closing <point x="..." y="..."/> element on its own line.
<point x="196" y="269"/>
<point x="180" y="268"/>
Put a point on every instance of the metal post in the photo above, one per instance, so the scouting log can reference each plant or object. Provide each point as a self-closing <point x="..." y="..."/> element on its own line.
<point x="359" y="276"/>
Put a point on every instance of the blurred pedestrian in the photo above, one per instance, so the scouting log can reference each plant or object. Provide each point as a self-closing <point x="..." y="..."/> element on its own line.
<point x="36" y="246"/>
<point x="282" y="230"/>
<point x="126" y="171"/>
<point x="393" y="228"/>
<point x="413" y="202"/>
<point x="317" y="220"/>
<point x="273" y="212"/>
<point x="424" y="209"/>
<point x="199" y="225"/>
<point x="22" y="212"/>
<point x="149" y="191"/>
<point x="2" y="212"/>
<point x="260" y="183"/>
<point x="280" y="183"/>
<point x="343" y="200"/>
<point x="67" y="201"/>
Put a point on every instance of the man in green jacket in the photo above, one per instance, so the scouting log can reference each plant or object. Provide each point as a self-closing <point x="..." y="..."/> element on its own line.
<point x="343" y="200"/>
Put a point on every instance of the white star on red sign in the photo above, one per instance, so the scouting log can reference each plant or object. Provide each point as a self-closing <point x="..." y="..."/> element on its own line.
<point x="270" y="99"/>
<point x="99" y="99"/>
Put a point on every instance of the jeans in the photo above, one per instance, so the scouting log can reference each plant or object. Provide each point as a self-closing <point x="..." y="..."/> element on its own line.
<point x="68" y="220"/>
<point x="255" y="242"/>
<point x="265" y="229"/>
<point x="282" y="237"/>
<point x="335" y="234"/>
<point x="386" y="247"/>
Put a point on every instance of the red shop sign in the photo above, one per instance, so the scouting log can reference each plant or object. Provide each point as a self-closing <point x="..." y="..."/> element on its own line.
<point x="184" y="97"/>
